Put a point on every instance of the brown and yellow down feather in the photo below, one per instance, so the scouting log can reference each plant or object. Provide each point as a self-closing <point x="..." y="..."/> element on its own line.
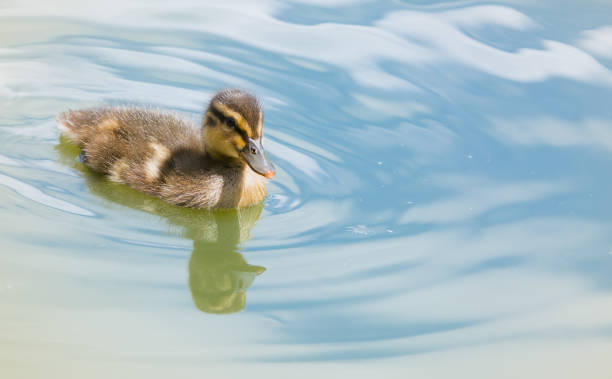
<point x="160" y="154"/>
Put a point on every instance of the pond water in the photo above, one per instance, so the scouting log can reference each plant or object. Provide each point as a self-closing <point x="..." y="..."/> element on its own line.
<point x="441" y="206"/>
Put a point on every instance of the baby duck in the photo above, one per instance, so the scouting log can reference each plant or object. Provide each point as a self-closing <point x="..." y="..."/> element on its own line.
<point x="158" y="153"/>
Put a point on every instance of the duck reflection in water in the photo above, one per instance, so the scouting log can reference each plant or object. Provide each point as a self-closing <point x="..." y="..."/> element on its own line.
<point x="219" y="276"/>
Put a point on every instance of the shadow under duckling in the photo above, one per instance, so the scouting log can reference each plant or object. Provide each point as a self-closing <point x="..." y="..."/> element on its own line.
<point x="222" y="166"/>
<point x="219" y="276"/>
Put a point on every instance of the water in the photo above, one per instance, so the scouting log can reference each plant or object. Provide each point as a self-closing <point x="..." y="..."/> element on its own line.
<point x="441" y="207"/>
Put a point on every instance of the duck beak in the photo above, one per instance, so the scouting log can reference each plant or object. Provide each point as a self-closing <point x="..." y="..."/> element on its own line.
<point x="254" y="154"/>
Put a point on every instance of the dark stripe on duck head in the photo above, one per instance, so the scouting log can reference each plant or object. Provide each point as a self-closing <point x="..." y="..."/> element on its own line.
<point x="230" y="120"/>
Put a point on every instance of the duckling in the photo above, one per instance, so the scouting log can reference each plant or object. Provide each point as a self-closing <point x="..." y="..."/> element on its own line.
<point x="221" y="166"/>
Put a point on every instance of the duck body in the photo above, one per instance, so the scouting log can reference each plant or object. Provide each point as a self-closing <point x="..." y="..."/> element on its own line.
<point x="166" y="156"/>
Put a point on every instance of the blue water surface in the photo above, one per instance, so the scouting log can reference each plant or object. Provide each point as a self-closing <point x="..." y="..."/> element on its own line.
<point x="441" y="207"/>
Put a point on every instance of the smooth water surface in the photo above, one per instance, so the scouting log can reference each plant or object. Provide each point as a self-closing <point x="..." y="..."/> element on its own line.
<point x="441" y="207"/>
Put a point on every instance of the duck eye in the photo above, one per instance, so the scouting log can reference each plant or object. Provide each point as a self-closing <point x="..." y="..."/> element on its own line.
<point x="231" y="122"/>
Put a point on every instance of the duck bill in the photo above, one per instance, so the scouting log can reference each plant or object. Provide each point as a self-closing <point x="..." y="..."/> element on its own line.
<point x="254" y="154"/>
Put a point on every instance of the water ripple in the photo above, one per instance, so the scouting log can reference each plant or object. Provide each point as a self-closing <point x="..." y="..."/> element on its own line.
<point x="32" y="193"/>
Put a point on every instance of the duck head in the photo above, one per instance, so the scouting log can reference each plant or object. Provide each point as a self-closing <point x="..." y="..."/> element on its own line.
<point x="233" y="131"/>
